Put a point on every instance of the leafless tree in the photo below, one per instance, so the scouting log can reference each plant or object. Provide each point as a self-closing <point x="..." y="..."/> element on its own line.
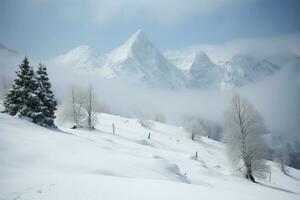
<point x="74" y="108"/>
<point x="81" y="108"/>
<point x="89" y="107"/>
<point x="206" y="128"/>
<point x="71" y="109"/>
<point x="243" y="130"/>
<point x="282" y="157"/>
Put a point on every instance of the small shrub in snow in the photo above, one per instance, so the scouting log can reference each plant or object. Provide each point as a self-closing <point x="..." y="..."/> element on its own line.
<point x="282" y="158"/>
<point x="146" y="123"/>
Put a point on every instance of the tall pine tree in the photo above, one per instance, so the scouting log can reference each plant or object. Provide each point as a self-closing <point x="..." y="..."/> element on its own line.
<point x="23" y="98"/>
<point x="47" y="97"/>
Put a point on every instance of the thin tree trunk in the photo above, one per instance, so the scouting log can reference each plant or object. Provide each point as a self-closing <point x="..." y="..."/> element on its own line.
<point x="75" y="117"/>
<point x="90" y="109"/>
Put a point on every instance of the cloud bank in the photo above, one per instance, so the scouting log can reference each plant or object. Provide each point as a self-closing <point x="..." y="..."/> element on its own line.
<point x="157" y="11"/>
<point x="260" y="47"/>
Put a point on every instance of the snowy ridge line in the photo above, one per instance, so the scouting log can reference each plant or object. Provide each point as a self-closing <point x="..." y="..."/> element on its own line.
<point x="138" y="62"/>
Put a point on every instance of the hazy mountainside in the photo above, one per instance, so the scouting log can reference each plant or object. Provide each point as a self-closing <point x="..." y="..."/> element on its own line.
<point x="9" y="61"/>
<point x="244" y="69"/>
<point x="2" y="47"/>
<point x="203" y="73"/>
<point x="82" y="57"/>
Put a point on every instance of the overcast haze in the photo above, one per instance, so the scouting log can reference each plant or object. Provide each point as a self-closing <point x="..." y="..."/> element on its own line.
<point x="149" y="99"/>
<point x="36" y="27"/>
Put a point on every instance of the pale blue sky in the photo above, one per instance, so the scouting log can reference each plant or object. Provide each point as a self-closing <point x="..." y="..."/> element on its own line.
<point x="44" y="28"/>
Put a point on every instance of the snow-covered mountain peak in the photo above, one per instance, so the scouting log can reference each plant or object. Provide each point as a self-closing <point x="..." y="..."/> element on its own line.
<point x="137" y="37"/>
<point x="185" y="60"/>
<point x="80" y="51"/>
<point x="244" y="68"/>
<point x="83" y="57"/>
<point x="203" y="72"/>
<point x="140" y="62"/>
<point x="201" y="57"/>
<point x="137" y="44"/>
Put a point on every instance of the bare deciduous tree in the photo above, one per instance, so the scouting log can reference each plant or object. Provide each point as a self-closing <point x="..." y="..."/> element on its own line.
<point x="243" y="130"/>
<point x="72" y="109"/>
<point x="76" y="107"/>
<point x="89" y="107"/>
<point x="283" y="159"/>
<point x="206" y="129"/>
<point x="81" y="108"/>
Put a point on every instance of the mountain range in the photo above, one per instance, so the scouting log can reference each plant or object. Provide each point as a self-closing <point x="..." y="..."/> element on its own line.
<point x="138" y="62"/>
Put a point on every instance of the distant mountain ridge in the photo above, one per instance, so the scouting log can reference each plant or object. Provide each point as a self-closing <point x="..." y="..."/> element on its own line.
<point x="3" y="47"/>
<point x="138" y="62"/>
<point x="202" y="73"/>
<point x="9" y="61"/>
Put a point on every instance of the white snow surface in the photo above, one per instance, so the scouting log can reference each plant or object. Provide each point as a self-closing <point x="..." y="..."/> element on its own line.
<point x="38" y="163"/>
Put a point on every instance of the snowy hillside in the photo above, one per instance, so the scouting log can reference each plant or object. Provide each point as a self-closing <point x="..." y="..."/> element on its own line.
<point x="38" y="163"/>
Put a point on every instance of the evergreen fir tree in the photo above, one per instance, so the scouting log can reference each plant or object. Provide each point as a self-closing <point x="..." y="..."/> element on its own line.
<point x="23" y="98"/>
<point x="47" y="97"/>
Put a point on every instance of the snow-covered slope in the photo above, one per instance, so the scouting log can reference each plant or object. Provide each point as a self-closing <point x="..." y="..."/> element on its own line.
<point x="38" y="163"/>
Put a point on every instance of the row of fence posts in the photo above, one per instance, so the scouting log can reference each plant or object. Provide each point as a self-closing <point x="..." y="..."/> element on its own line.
<point x="114" y="131"/>
<point x="149" y="137"/>
<point x="196" y="154"/>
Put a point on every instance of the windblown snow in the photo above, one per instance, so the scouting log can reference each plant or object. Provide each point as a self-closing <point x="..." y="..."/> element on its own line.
<point x="39" y="163"/>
